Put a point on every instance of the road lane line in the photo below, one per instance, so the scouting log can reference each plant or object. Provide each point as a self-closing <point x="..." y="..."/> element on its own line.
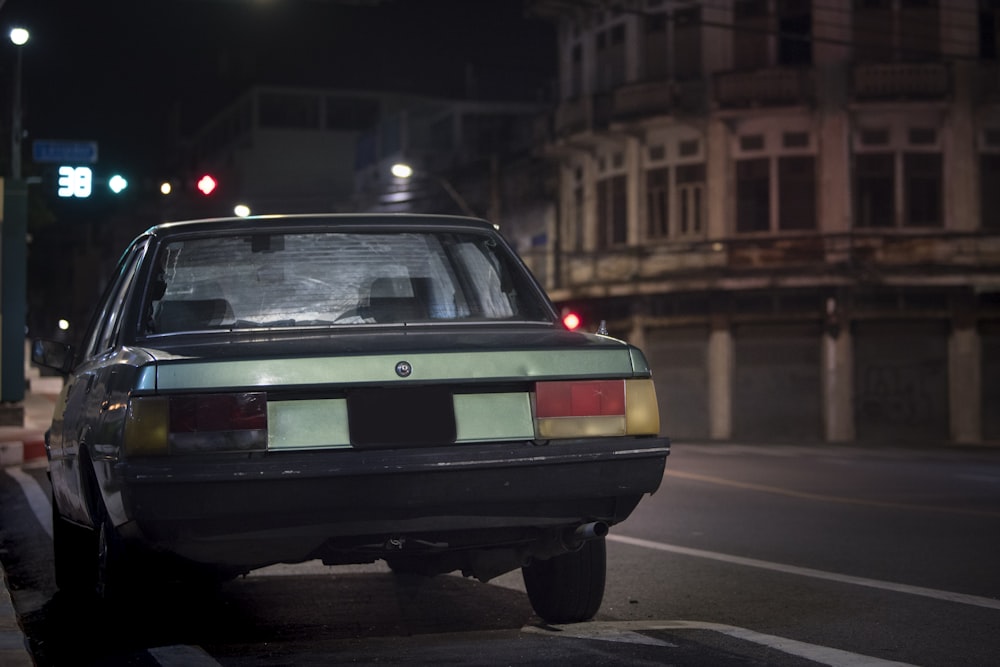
<point x="948" y="596"/>
<point x="620" y="631"/>
<point x="182" y="655"/>
<point x="36" y="497"/>
<point x="805" y="495"/>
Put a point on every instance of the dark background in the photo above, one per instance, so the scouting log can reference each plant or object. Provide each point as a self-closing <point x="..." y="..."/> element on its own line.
<point x="138" y="76"/>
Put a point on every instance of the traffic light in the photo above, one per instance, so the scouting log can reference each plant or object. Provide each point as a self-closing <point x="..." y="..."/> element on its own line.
<point x="117" y="184"/>
<point x="206" y="184"/>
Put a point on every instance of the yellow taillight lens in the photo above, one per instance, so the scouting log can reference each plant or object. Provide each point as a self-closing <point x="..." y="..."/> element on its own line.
<point x="642" y="413"/>
<point x="596" y="408"/>
<point x="146" y="426"/>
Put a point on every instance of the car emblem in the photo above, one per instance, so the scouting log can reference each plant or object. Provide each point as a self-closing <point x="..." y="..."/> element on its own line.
<point x="403" y="369"/>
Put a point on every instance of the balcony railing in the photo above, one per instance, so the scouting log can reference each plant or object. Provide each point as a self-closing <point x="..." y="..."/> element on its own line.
<point x="894" y="81"/>
<point x="859" y="256"/>
<point x="765" y="87"/>
<point x="583" y="114"/>
<point x="650" y="98"/>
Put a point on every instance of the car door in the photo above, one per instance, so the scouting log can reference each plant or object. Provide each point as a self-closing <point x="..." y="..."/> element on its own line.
<point x="87" y="389"/>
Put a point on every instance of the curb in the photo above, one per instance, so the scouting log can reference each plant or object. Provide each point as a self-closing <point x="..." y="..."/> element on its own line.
<point x="17" y="452"/>
<point x="13" y="643"/>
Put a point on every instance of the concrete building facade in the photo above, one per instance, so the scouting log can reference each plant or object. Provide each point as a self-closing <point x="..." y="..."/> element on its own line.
<point x="792" y="205"/>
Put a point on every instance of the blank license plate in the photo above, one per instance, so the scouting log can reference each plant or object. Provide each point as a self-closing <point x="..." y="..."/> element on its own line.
<point x="404" y="417"/>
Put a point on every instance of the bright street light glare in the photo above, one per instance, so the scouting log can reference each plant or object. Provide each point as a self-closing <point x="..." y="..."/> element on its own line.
<point x="400" y="170"/>
<point x="165" y="188"/>
<point x="63" y="325"/>
<point x="19" y="36"/>
<point x="242" y="210"/>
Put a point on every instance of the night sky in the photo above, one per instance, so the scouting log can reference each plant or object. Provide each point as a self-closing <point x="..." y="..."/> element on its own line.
<point x="118" y="71"/>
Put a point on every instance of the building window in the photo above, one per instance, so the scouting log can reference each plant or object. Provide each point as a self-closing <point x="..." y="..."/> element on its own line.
<point x="797" y="192"/>
<point x="896" y="30"/>
<point x="658" y="202"/>
<point x="674" y="186"/>
<point x="922" y="183"/>
<point x="989" y="190"/>
<point x="612" y="212"/>
<point x="900" y="181"/>
<point x="611" y="58"/>
<point x="794" y="32"/>
<point x="576" y="72"/>
<point x="775" y="181"/>
<point x="655" y="46"/>
<point x="873" y="190"/>
<point x="751" y="27"/>
<point x="672" y="45"/>
<point x="690" y="195"/>
<point x="687" y="44"/>
<point x="989" y="29"/>
<point x="576" y="234"/>
<point x="753" y="195"/>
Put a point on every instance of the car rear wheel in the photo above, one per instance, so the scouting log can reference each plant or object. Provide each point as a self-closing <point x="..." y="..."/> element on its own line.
<point x="114" y="564"/>
<point x="568" y="588"/>
<point x="74" y="550"/>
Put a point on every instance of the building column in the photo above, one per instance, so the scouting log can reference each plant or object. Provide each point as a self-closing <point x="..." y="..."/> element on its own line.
<point x="636" y="205"/>
<point x="838" y="385"/>
<point x="965" y="385"/>
<point x="720" y="381"/>
<point x="719" y="197"/>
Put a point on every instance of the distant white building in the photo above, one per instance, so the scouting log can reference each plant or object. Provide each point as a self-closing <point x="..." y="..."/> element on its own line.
<point x="793" y="206"/>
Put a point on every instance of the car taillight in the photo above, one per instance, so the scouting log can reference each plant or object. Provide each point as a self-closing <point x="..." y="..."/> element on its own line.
<point x="196" y="423"/>
<point x="592" y="408"/>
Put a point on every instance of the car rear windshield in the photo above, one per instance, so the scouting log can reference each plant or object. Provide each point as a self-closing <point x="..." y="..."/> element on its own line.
<point x="337" y="279"/>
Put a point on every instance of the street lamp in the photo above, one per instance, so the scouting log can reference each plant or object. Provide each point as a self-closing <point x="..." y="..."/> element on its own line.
<point x="19" y="36"/>
<point x="403" y="171"/>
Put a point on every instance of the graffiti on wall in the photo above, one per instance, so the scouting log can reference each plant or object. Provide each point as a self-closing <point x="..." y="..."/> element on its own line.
<point x="898" y="394"/>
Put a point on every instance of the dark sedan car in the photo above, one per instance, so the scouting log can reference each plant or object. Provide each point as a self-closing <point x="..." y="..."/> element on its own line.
<point x="345" y="388"/>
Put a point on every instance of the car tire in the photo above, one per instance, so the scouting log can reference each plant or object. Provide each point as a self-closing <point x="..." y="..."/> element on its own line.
<point x="74" y="550"/>
<point x="113" y="564"/>
<point x="568" y="588"/>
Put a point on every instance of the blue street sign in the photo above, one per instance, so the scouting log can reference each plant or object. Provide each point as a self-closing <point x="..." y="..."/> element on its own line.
<point x="49" y="150"/>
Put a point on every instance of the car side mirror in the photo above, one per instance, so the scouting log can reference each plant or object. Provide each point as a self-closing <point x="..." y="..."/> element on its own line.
<point x="52" y="354"/>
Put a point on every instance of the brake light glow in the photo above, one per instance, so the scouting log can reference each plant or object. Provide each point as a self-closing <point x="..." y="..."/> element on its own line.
<point x="592" y="408"/>
<point x="158" y="425"/>
<point x="571" y="321"/>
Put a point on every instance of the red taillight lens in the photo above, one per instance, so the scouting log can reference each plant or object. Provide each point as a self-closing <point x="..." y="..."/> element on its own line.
<point x="218" y="412"/>
<point x="595" y="398"/>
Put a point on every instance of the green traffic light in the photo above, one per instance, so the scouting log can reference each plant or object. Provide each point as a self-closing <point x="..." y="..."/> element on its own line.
<point x="117" y="183"/>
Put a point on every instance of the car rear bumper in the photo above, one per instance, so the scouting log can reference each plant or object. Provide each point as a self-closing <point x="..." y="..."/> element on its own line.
<point x="293" y="506"/>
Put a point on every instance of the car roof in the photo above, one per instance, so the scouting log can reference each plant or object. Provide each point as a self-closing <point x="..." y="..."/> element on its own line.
<point x="271" y="223"/>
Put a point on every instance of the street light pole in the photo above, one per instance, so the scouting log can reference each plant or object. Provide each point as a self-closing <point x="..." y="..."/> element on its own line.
<point x="13" y="262"/>
<point x="19" y="36"/>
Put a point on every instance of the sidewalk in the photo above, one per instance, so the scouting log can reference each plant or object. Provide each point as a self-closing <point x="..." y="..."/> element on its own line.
<point x="26" y="443"/>
<point x="21" y="444"/>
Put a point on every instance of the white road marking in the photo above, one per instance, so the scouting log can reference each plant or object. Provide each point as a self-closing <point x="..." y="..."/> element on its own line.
<point x="626" y="631"/>
<point x="36" y="497"/>
<point x="182" y="656"/>
<point x="948" y="596"/>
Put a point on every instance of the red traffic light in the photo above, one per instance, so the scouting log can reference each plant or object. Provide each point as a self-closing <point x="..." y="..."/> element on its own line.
<point x="571" y="321"/>
<point x="207" y="185"/>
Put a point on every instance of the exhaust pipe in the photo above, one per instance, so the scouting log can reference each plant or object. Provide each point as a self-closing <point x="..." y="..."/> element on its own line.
<point x="594" y="530"/>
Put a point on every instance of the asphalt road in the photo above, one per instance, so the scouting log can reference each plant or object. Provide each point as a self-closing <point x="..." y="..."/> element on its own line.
<point x="746" y="556"/>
